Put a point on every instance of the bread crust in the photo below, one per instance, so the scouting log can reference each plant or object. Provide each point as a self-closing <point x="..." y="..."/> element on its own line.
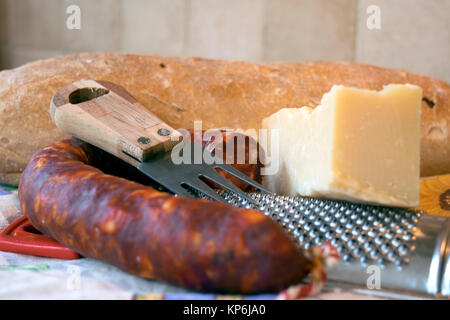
<point x="232" y="94"/>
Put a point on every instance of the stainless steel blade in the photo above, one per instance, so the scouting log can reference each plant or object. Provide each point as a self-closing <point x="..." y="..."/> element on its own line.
<point x="184" y="178"/>
<point x="409" y="248"/>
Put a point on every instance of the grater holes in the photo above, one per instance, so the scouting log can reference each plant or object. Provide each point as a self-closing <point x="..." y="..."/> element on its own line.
<point x="358" y="252"/>
<point x="360" y="230"/>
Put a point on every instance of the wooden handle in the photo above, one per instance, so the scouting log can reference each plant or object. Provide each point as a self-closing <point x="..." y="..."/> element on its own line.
<point x="107" y="116"/>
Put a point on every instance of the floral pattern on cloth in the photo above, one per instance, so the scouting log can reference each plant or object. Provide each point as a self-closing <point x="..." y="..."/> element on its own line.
<point x="9" y="202"/>
<point x="435" y="195"/>
<point x="31" y="267"/>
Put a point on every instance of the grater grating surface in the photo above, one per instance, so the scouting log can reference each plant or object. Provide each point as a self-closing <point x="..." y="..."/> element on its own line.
<point x="408" y="246"/>
<point x="366" y="233"/>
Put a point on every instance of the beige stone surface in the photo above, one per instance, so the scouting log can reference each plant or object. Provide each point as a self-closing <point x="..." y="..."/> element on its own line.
<point x="414" y="35"/>
<point x="21" y="56"/>
<point x="154" y="26"/>
<point x="101" y="25"/>
<point x="36" y="24"/>
<point x="225" y="29"/>
<point x="4" y="57"/>
<point x="302" y="30"/>
<point x="5" y="22"/>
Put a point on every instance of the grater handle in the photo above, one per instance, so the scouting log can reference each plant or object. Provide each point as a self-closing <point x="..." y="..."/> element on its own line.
<point x="104" y="114"/>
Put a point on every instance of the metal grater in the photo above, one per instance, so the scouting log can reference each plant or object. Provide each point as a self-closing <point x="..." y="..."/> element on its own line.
<point x="411" y="248"/>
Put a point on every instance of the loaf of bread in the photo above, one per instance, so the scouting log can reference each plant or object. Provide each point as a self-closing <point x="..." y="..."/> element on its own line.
<point x="235" y="95"/>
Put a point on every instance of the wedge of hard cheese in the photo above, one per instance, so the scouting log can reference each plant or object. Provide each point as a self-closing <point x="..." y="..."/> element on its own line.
<point x="358" y="145"/>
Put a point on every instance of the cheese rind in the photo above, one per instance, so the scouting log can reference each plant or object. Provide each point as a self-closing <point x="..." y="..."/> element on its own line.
<point x="358" y="145"/>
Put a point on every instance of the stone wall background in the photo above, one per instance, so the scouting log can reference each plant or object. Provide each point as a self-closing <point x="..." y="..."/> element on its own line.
<point x="414" y="34"/>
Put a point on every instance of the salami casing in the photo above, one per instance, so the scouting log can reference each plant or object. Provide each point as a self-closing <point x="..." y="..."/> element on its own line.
<point x="86" y="199"/>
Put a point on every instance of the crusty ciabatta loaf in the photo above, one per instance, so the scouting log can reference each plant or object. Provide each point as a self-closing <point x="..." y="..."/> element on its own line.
<point x="220" y="93"/>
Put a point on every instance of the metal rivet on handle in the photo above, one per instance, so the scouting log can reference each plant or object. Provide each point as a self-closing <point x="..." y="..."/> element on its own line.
<point x="163" y="132"/>
<point x="143" y="140"/>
